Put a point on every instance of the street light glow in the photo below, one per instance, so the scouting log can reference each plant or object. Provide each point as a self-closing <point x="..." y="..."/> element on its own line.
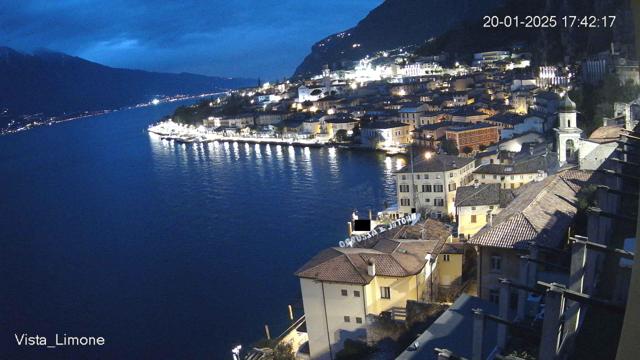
<point x="428" y="155"/>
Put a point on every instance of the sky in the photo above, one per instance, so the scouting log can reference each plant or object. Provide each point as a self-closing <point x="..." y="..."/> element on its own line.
<point x="240" y="38"/>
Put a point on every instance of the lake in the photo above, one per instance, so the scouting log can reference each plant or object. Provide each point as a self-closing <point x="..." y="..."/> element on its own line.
<point x="167" y="251"/>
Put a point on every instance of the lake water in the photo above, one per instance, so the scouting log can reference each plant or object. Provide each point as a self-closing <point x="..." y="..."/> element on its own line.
<point x="167" y="251"/>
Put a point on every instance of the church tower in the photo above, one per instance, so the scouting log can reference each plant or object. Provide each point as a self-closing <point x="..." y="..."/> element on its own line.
<point x="567" y="133"/>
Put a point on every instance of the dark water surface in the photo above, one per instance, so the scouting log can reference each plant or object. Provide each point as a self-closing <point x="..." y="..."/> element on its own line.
<point x="168" y="252"/>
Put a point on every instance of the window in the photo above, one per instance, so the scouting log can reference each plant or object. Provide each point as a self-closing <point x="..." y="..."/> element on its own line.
<point x="450" y="174"/>
<point x="404" y="177"/>
<point x="452" y="187"/>
<point x="404" y="188"/>
<point x="347" y="319"/>
<point x="496" y="263"/>
<point x="405" y="202"/>
<point x="426" y="188"/>
<point x="438" y="188"/>
<point x="474" y="219"/>
<point x="385" y="292"/>
<point x="446" y="257"/>
<point x="473" y="208"/>
<point x="418" y="176"/>
<point x="494" y="296"/>
<point x="344" y="292"/>
<point x="438" y="202"/>
<point x="426" y="176"/>
<point x="359" y="320"/>
<point x="483" y="176"/>
<point x="356" y="293"/>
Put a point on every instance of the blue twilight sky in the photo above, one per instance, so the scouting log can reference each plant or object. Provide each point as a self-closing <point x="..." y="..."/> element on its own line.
<point x="250" y="38"/>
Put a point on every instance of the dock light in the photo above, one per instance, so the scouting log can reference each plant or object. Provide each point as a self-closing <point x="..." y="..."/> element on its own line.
<point x="155" y="101"/>
<point x="428" y="155"/>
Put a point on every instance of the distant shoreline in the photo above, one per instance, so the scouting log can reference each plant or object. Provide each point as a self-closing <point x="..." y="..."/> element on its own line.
<point x="38" y="122"/>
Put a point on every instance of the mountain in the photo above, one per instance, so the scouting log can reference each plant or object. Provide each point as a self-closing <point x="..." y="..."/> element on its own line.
<point x="54" y="84"/>
<point x="548" y="45"/>
<point x="393" y="24"/>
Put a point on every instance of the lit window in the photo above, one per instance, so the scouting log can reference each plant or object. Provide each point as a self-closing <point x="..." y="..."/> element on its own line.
<point x="473" y="219"/>
<point x="385" y="292"/>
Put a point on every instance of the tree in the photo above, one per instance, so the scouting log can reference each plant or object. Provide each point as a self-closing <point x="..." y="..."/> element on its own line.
<point x="341" y="135"/>
<point x="449" y="147"/>
<point x="355" y="350"/>
<point x="282" y="351"/>
<point x="467" y="150"/>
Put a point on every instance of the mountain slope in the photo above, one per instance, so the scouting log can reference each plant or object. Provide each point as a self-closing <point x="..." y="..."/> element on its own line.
<point x="393" y="24"/>
<point x="548" y="45"/>
<point x="56" y="84"/>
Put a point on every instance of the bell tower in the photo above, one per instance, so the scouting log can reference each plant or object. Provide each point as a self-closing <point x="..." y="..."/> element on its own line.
<point x="567" y="133"/>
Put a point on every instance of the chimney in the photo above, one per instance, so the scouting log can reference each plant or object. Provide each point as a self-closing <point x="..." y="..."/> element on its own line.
<point x="371" y="268"/>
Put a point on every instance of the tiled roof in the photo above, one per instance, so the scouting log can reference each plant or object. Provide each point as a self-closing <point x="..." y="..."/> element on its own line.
<point x="529" y="166"/>
<point x="393" y="253"/>
<point x="438" y="163"/>
<point x="484" y="194"/>
<point x="541" y="212"/>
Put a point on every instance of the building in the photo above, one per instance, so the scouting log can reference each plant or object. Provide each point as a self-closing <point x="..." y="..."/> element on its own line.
<point x="541" y="213"/>
<point x="571" y="147"/>
<point x="477" y="204"/>
<point x="380" y="135"/>
<point x="411" y="114"/>
<point x="344" y="289"/>
<point x="337" y="123"/>
<point x="435" y="181"/>
<point x="473" y="138"/>
<point x="512" y="176"/>
<point x="489" y="57"/>
<point x="430" y="135"/>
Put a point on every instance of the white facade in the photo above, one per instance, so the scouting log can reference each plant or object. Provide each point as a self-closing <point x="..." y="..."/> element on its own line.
<point x="568" y="135"/>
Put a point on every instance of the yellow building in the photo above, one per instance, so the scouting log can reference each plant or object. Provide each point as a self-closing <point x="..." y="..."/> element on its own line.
<point x="477" y="204"/>
<point x="512" y="176"/>
<point x="435" y="181"/>
<point x="345" y="288"/>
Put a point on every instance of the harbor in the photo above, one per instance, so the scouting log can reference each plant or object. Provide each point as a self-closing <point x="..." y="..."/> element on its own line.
<point x="186" y="134"/>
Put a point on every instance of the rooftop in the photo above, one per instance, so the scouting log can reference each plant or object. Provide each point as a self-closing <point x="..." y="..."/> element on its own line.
<point x="541" y="212"/>
<point x="453" y="331"/>
<point x="438" y="163"/>
<point x="396" y="253"/>
<point x="529" y="166"/>
<point x="384" y="125"/>
<point x="483" y="194"/>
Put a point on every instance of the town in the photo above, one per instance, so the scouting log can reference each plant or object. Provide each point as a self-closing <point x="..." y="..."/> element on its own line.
<point x="513" y="234"/>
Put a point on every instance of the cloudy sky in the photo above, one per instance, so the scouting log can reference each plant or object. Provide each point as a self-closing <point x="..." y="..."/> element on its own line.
<point x="250" y="38"/>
